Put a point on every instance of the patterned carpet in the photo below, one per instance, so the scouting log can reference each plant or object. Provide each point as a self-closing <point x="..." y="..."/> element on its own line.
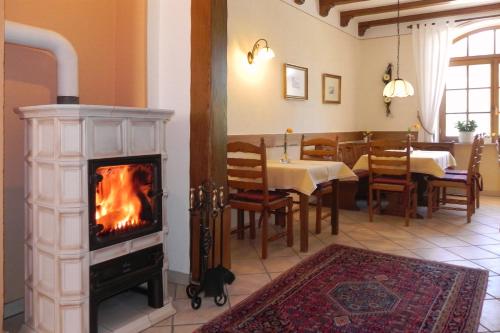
<point x="344" y="289"/>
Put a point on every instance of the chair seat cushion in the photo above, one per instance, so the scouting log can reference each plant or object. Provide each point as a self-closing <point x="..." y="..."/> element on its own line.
<point x="390" y="180"/>
<point x="257" y="196"/>
<point x="361" y="173"/>
<point x="453" y="178"/>
<point x="456" y="172"/>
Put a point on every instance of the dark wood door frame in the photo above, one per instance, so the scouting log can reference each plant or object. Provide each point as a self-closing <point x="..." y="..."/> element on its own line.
<point x="208" y="119"/>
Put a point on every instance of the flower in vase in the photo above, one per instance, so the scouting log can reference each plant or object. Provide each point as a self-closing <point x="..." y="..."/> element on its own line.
<point x="285" y="146"/>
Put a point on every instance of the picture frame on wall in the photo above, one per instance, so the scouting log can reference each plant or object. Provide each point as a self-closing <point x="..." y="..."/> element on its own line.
<point x="295" y="82"/>
<point x="332" y="89"/>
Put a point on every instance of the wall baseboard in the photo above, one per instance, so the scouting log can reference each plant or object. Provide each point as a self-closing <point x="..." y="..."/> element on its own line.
<point x="13" y="308"/>
<point x="178" y="277"/>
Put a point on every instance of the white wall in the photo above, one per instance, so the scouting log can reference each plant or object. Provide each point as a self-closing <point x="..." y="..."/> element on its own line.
<point x="169" y="79"/>
<point x="255" y="92"/>
<point x="375" y="55"/>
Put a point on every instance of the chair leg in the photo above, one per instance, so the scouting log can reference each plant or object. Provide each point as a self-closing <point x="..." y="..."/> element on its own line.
<point x="478" y="192"/>
<point x="470" y="203"/>
<point x="289" y="224"/>
<point x="241" y="224"/>
<point x="265" y="218"/>
<point x="379" y="203"/>
<point x="252" y="224"/>
<point x="430" y="199"/>
<point x="370" y="204"/>
<point x="415" y="203"/>
<point x="319" y="204"/>
<point x="407" y="208"/>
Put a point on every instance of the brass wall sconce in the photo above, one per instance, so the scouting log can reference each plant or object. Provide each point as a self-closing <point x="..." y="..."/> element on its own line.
<point x="260" y="52"/>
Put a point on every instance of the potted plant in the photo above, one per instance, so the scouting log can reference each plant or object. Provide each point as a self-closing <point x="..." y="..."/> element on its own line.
<point x="466" y="130"/>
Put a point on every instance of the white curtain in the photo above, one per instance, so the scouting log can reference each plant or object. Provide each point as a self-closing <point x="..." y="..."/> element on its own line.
<point x="432" y="51"/>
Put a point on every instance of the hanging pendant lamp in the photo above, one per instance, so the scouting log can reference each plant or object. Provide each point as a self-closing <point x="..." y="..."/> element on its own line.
<point x="398" y="87"/>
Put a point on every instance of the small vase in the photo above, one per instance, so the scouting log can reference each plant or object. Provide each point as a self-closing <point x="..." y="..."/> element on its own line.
<point x="465" y="137"/>
<point x="285" y="159"/>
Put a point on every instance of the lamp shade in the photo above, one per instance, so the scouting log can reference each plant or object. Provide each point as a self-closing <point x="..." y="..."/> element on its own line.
<point x="265" y="53"/>
<point x="398" y="88"/>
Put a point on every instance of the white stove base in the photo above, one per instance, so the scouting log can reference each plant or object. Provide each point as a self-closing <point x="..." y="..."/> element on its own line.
<point x="127" y="313"/>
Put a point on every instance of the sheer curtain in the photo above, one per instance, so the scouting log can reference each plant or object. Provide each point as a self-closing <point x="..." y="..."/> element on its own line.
<point x="432" y="51"/>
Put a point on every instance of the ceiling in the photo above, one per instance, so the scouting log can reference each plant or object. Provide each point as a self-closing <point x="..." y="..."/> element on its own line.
<point x="364" y="16"/>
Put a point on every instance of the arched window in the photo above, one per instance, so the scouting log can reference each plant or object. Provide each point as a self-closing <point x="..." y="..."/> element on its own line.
<point x="472" y="87"/>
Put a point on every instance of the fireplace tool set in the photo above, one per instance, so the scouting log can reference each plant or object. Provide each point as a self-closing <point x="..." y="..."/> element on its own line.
<point x="207" y="204"/>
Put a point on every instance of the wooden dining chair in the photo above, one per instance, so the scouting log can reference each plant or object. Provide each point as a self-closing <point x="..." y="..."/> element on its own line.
<point x="319" y="149"/>
<point x="477" y="177"/>
<point x="247" y="182"/>
<point x="463" y="182"/>
<point x="389" y="171"/>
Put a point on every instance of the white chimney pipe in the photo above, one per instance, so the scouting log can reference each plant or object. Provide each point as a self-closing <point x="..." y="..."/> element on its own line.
<point x="67" y="59"/>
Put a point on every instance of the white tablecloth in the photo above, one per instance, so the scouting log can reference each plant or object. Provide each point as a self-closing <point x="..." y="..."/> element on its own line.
<point x="421" y="161"/>
<point x="304" y="176"/>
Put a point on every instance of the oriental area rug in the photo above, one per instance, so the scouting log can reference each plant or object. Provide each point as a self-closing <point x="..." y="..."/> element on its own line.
<point x="344" y="289"/>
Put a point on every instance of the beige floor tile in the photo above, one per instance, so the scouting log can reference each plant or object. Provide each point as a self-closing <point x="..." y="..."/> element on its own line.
<point x="247" y="266"/>
<point x="315" y="245"/>
<point x="162" y="329"/>
<point x="403" y="253"/>
<point x="381" y="245"/>
<point x="244" y="252"/>
<point x="494" y="286"/>
<point x="280" y="264"/>
<point x="492" y="248"/>
<point x="482" y="329"/>
<point x="425" y="232"/>
<point x="247" y="284"/>
<point x="465" y="263"/>
<point x="186" y="315"/>
<point x="478" y="239"/>
<point x="364" y="234"/>
<point x="415" y="243"/>
<point x="490" y="264"/>
<point x="489" y="317"/>
<point x="166" y="322"/>
<point x="180" y="292"/>
<point x="185" y="328"/>
<point x="274" y="275"/>
<point x="446" y="241"/>
<point x="481" y="228"/>
<point x="437" y="254"/>
<point x="396" y="234"/>
<point x="233" y="300"/>
<point x="472" y="252"/>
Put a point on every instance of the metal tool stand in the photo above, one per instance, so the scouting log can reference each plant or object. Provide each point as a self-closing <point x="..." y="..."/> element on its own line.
<point x="208" y="203"/>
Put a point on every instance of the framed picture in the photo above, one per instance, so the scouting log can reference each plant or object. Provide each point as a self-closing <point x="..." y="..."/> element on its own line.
<point x="332" y="88"/>
<point x="295" y="82"/>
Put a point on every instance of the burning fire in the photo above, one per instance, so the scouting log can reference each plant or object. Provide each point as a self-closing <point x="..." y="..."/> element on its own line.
<point x="122" y="197"/>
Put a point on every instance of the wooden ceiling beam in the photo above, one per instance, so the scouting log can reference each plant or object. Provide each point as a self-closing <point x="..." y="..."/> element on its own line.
<point x="346" y="16"/>
<point x="300" y="2"/>
<point x="363" y="26"/>
<point x="326" y="5"/>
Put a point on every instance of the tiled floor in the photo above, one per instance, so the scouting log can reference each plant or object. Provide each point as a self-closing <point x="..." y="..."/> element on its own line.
<point x="445" y="238"/>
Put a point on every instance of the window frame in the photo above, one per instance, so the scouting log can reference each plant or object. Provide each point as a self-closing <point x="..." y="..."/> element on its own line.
<point x="494" y="60"/>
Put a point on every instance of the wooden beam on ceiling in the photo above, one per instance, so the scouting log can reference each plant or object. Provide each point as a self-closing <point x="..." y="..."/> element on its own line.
<point x="300" y="2"/>
<point x="346" y="16"/>
<point x="326" y="5"/>
<point x="363" y="26"/>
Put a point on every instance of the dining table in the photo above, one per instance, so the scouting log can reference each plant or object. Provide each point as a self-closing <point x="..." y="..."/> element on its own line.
<point x="423" y="163"/>
<point x="428" y="162"/>
<point x="303" y="177"/>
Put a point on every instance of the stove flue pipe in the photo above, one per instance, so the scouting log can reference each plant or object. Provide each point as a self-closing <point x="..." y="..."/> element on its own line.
<point x="63" y="50"/>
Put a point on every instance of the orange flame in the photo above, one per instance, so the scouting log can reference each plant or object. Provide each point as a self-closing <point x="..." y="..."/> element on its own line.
<point x="121" y="199"/>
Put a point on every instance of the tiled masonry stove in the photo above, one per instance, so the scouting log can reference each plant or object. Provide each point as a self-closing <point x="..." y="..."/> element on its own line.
<point x="95" y="223"/>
